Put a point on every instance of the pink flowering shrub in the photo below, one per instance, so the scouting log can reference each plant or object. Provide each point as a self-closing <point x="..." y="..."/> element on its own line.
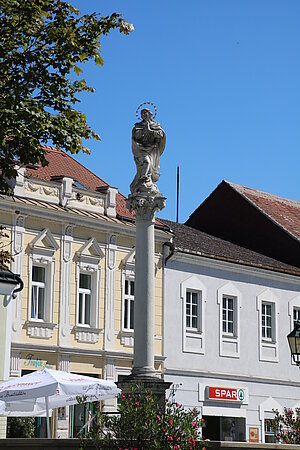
<point x="144" y="424"/>
<point x="287" y="426"/>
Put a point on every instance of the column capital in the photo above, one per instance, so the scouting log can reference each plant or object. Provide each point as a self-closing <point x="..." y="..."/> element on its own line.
<point x="145" y="206"/>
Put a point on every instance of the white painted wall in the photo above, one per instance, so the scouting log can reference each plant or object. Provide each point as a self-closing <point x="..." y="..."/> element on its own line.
<point x="268" y="382"/>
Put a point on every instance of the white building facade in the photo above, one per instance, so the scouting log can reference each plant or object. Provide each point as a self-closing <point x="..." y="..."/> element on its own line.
<point x="227" y="312"/>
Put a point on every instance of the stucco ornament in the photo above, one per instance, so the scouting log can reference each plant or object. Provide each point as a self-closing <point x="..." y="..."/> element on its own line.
<point x="148" y="143"/>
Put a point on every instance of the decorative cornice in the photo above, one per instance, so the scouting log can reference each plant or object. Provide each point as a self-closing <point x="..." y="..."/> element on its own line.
<point x="76" y="351"/>
<point x="125" y="227"/>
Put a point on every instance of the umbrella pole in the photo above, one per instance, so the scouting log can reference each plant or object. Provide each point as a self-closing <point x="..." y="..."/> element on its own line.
<point x="48" y="418"/>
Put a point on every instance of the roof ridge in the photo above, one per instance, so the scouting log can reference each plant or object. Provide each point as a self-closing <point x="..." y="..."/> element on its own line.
<point x="265" y="213"/>
<point x="263" y="193"/>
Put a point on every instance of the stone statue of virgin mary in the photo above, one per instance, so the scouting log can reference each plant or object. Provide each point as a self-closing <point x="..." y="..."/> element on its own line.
<point x="148" y="143"/>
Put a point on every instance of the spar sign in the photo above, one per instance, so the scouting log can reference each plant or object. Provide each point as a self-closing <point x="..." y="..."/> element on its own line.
<point x="226" y="394"/>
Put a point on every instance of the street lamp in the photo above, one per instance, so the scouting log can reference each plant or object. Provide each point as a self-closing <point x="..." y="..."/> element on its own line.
<point x="294" y="343"/>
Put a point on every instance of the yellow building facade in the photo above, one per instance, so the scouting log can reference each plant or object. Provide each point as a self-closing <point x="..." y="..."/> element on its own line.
<point x="74" y="248"/>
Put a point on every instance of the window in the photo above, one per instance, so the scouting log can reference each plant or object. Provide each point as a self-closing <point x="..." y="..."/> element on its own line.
<point x="192" y="310"/>
<point x="270" y="436"/>
<point x="229" y="315"/>
<point x="229" y="299"/>
<point x="267" y="305"/>
<point x="128" y="316"/>
<point x="267" y="321"/>
<point x="296" y="315"/>
<point x="38" y="293"/>
<point x="193" y="299"/>
<point x="84" y="299"/>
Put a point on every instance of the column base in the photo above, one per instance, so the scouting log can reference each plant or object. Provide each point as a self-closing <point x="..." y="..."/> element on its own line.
<point x="156" y="385"/>
<point x="145" y="372"/>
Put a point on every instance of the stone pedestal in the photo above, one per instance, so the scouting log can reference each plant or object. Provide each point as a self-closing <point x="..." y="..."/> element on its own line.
<point x="156" y="385"/>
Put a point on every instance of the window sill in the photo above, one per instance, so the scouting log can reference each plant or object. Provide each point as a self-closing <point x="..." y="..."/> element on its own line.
<point x="127" y="338"/>
<point x="40" y="329"/>
<point x="268" y="341"/>
<point x="192" y="332"/>
<point x="84" y="333"/>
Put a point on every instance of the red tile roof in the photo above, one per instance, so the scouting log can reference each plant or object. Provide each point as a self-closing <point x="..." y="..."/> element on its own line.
<point x="282" y="211"/>
<point x="62" y="164"/>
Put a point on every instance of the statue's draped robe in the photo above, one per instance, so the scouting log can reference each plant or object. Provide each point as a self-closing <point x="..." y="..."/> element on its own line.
<point x="148" y="143"/>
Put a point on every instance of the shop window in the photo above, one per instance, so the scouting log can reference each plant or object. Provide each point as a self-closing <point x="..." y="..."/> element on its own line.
<point x="270" y="436"/>
<point x="128" y="305"/>
<point x="80" y="416"/>
<point x="80" y="419"/>
<point x="224" y="428"/>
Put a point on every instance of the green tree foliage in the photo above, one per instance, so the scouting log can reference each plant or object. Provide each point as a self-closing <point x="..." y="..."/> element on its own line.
<point x="286" y="426"/>
<point x="143" y="424"/>
<point x="20" y="427"/>
<point x="5" y="255"/>
<point x="43" y="44"/>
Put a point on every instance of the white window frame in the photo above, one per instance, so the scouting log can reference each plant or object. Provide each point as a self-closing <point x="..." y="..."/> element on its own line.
<point x="39" y="285"/>
<point x="43" y="248"/>
<point x="88" y="259"/>
<point x="268" y="346"/>
<point x="229" y="343"/>
<point x="268" y="432"/>
<point x="128" y="273"/>
<point x="127" y="299"/>
<point x="296" y="315"/>
<point x="190" y="293"/>
<point x="95" y="272"/>
<point x="229" y="298"/>
<point x="84" y="292"/>
<point x="193" y="339"/>
<point x="293" y="304"/>
<point x="266" y="412"/>
<point x="268" y="327"/>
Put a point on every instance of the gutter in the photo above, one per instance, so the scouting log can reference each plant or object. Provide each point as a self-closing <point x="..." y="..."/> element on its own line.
<point x="6" y="276"/>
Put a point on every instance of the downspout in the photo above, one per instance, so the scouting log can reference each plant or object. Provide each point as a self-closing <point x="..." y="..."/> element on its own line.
<point x="172" y="250"/>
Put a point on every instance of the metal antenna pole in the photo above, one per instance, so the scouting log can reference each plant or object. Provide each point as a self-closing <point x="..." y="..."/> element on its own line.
<point x="177" y="204"/>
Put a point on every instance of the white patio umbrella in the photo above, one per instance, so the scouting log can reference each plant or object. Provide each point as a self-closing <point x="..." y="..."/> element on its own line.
<point x="37" y="393"/>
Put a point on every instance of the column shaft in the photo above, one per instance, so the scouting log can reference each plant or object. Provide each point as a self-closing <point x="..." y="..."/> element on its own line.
<point x="144" y="298"/>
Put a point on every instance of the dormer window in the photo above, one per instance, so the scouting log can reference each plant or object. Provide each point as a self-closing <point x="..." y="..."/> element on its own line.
<point x="79" y="185"/>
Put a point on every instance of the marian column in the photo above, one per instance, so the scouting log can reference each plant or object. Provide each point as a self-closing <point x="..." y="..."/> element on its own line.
<point x="148" y="143"/>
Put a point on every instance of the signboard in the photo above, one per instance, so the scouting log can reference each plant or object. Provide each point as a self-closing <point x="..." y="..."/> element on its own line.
<point x="226" y="394"/>
<point x="31" y="361"/>
<point x="253" y="434"/>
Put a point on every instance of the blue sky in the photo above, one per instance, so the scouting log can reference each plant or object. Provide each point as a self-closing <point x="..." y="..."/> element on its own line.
<point x="225" y="76"/>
